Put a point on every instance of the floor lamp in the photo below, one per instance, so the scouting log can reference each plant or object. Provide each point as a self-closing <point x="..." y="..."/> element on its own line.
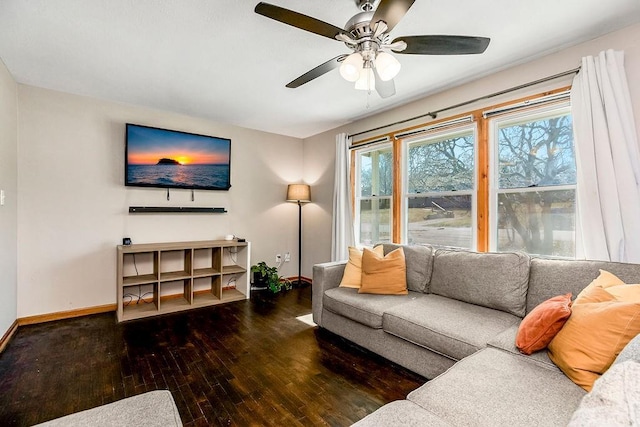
<point x="299" y="193"/>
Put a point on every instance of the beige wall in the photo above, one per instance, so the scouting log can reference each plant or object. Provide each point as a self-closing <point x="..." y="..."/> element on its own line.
<point x="73" y="205"/>
<point x="66" y="182"/>
<point x="319" y="151"/>
<point x="8" y="212"/>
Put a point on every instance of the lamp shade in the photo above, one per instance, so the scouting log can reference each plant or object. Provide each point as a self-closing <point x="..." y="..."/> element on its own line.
<point x="298" y="193"/>
<point x="367" y="80"/>
<point x="351" y="66"/>
<point x="388" y="67"/>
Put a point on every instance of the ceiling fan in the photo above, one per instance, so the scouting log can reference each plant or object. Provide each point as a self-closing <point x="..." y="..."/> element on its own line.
<point x="371" y="66"/>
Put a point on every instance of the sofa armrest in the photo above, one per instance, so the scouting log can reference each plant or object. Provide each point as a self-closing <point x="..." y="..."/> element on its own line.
<point x="325" y="276"/>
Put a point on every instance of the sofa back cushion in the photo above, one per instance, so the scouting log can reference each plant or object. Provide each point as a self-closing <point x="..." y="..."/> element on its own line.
<point x="494" y="280"/>
<point x="551" y="277"/>
<point x="419" y="259"/>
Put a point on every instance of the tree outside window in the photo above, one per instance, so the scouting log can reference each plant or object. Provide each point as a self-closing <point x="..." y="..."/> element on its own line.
<point x="373" y="197"/>
<point x="535" y="180"/>
<point x="503" y="180"/>
<point x="440" y="181"/>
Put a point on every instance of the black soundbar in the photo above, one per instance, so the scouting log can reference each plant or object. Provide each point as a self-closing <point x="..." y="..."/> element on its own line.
<point x="174" y="209"/>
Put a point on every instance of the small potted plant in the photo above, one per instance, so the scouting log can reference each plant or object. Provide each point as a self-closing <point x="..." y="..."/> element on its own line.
<point x="268" y="277"/>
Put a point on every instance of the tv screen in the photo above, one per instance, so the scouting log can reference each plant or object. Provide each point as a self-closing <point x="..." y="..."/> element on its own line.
<point x="171" y="159"/>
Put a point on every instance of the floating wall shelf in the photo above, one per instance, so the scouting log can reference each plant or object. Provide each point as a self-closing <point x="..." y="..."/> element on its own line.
<point x="174" y="209"/>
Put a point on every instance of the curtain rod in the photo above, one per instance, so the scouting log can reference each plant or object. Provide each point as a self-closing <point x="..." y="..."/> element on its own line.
<point x="434" y="114"/>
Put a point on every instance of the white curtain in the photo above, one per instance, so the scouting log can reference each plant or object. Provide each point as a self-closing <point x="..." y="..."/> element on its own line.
<point x="342" y="227"/>
<point x="608" y="161"/>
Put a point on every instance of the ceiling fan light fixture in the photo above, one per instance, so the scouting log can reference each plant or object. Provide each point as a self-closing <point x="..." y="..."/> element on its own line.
<point x="366" y="34"/>
<point x="351" y="67"/>
<point x="367" y="80"/>
<point x="388" y="67"/>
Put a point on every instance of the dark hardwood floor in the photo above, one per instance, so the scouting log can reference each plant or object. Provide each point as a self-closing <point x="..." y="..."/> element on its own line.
<point x="244" y="363"/>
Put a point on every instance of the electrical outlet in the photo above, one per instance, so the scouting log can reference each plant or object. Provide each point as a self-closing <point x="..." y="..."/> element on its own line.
<point x="287" y="257"/>
<point x="278" y="258"/>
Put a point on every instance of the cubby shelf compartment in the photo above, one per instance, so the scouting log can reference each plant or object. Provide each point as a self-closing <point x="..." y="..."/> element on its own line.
<point x="232" y="269"/>
<point x="172" y="277"/>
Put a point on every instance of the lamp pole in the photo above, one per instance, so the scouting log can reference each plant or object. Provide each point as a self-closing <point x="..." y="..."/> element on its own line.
<point x="299" y="193"/>
<point x="299" y="243"/>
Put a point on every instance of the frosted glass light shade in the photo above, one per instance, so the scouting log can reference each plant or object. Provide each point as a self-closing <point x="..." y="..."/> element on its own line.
<point x="367" y="80"/>
<point x="298" y="193"/>
<point x="388" y="67"/>
<point x="351" y="66"/>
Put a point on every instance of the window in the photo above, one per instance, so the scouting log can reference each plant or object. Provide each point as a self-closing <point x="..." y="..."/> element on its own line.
<point x="374" y="179"/>
<point x="501" y="179"/>
<point x="534" y="185"/>
<point x="439" y="172"/>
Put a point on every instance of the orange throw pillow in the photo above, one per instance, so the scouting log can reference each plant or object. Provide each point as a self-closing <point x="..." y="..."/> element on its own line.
<point x="352" y="276"/>
<point x="384" y="274"/>
<point x="601" y="324"/>
<point x="540" y="326"/>
<point x="604" y="280"/>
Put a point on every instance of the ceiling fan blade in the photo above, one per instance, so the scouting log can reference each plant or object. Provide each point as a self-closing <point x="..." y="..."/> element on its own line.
<point x="317" y="72"/>
<point x="384" y="89"/>
<point x="298" y="20"/>
<point x="443" y="45"/>
<point x="391" y="11"/>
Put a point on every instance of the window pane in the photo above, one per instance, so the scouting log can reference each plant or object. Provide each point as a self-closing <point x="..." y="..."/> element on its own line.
<point x="538" y="222"/>
<point x="537" y="153"/>
<point x="441" y="165"/>
<point x="375" y="221"/>
<point x="376" y="173"/>
<point x="440" y="221"/>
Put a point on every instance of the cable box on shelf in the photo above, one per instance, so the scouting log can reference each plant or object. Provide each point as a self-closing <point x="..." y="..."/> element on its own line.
<point x="174" y="209"/>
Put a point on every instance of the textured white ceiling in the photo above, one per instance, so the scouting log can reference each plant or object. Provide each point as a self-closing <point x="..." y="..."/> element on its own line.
<point x="219" y="60"/>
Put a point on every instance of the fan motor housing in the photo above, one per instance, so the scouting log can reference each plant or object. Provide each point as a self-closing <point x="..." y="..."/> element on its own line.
<point x="359" y="26"/>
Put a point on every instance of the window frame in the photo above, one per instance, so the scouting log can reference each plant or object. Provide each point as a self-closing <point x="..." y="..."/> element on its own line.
<point x="357" y="195"/>
<point x="513" y="118"/>
<point x="481" y="117"/>
<point x="436" y="136"/>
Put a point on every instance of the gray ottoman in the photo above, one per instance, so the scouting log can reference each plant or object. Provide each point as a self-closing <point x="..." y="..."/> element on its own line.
<point x="153" y="409"/>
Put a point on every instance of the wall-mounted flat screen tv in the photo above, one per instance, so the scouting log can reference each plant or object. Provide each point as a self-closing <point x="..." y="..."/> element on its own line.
<point x="171" y="159"/>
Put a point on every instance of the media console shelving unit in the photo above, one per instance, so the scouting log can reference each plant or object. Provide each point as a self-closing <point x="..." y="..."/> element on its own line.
<point x="160" y="278"/>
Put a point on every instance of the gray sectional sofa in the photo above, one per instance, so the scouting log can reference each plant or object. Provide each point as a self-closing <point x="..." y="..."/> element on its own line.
<point x="458" y="325"/>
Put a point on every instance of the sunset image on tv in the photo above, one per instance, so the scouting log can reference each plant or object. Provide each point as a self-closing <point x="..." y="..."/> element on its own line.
<point x="165" y="158"/>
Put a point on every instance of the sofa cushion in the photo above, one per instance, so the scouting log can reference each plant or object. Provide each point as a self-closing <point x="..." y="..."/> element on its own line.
<point x="551" y="277"/>
<point x="495" y="388"/>
<point x="539" y="327"/>
<point x="505" y="341"/>
<point x="384" y="275"/>
<point x="363" y="308"/>
<point x="493" y="280"/>
<point x="452" y="328"/>
<point x="401" y="413"/>
<point x="613" y="400"/>
<point x="419" y="259"/>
